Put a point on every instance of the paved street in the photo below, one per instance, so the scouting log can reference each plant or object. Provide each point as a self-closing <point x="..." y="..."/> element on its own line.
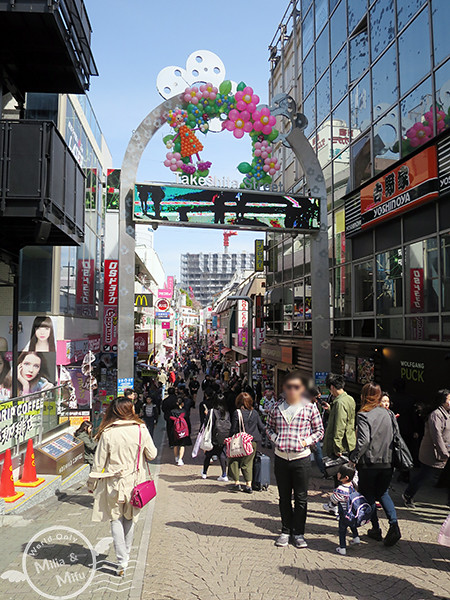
<point x="208" y="543"/>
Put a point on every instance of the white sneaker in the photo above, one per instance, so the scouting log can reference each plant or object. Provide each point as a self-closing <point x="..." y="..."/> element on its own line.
<point x="180" y="462"/>
<point x="331" y="509"/>
<point x="176" y="460"/>
<point x="214" y="458"/>
<point x="341" y="551"/>
<point x="223" y="478"/>
<point x="204" y="475"/>
<point x="355" y="541"/>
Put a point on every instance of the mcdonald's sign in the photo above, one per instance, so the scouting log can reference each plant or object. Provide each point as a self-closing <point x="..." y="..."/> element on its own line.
<point x="143" y="300"/>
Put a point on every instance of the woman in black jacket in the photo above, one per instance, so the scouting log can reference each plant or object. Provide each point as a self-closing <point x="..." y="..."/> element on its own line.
<point x="253" y="426"/>
<point x="373" y="458"/>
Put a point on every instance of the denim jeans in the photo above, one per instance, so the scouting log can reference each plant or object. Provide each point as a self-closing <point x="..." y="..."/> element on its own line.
<point x="293" y="476"/>
<point x="318" y="457"/>
<point x="122" y="531"/>
<point x="426" y="474"/>
<point x="374" y="485"/>
<point x="343" y="526"/>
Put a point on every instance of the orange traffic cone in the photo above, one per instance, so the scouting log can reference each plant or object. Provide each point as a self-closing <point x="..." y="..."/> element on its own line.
<point x="29" y="477"/>
<point x="7" y="491"/>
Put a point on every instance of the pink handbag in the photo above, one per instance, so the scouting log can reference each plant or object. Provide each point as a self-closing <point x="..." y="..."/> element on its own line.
<point x="145" y="491"/>
<point x="240" y="444"/>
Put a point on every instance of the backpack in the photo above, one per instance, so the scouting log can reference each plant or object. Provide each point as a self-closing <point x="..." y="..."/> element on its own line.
<point x="222" y="428"/>
<point x="359" y="510"/>
<point x="180" y="427"/>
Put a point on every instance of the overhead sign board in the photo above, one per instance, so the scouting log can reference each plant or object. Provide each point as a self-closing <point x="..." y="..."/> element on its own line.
<point x="224" y="208"/>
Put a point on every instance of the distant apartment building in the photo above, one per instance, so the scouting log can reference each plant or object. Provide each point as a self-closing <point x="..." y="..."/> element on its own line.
<point x="206" y="274"/>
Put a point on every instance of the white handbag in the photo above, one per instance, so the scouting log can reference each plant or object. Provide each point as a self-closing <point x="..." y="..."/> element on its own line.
<point x="206" y="444"/>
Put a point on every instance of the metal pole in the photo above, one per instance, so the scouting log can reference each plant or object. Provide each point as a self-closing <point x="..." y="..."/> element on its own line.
<point x="15" y="328"/>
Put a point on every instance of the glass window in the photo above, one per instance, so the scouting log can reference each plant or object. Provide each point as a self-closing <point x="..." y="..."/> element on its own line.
<point x="382" y="27"/>
<point x="323" y="97"/>
<point x="322" y="53"/>
<point x="299" y="300"/>
<point x="342" y="291"/>
<point x="339" y="83"/>
<point x="406" y="9"/>
<point x="422" y="328"/>
<point x="342" y="328"/>
<point x="341" y="114"/>
<point x="364" y="328"/>
<point x="305" y="5"/>
<point x="443" y="97"/>
<point x="321" y="9"/>
<point x="445" y="329"/>
<point x="389" y="267"/>
<point x="360" y="105"/>
<point x="422" y="277"/>
<point x="384" y="82"/>
<point x="308" y="298"/>
<point x="42" y="106"/>
<point x="385" y="141"/>
<point x="390" y="329"/>
<point x="414" y="52"/>
<point x="356" y="11"/>
<point x="309" y="108"/>
<point x="359" y="55"/>
<point x="333" y="4"/>
<point x="440" y="30"/>
<point x="413" y="108"/>
<point x="36" y="267"/>
<point x="445" y="266"/>
<point x="363" y="278"/>
<point x="338" y="28"/>
<point x="308" y="73"/>
<point x="308" y="32"/>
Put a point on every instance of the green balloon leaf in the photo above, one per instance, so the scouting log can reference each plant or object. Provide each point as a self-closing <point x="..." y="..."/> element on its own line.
<point x="167" y="138"/>
<point x="241" y="86"/>
<point x="225" y="87"/>
<point x="244" y="167"/>
<point x="273" y="136"/>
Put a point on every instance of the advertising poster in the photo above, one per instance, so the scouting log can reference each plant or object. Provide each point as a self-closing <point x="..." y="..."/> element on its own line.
<point x="366" y="370"/>
<point x="350" y="368"/>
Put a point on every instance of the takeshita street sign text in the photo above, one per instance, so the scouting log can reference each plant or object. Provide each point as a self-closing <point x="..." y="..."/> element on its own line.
<point x="198" y="206"/>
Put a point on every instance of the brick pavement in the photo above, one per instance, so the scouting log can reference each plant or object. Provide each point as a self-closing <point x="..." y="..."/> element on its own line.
<point x="209" y="543"/>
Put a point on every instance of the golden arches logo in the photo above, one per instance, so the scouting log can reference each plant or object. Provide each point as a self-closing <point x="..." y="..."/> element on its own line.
<point x="141" y="300"/>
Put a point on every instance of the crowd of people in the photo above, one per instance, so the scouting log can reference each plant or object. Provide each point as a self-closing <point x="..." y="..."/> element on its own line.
<point x="359" y="441"/>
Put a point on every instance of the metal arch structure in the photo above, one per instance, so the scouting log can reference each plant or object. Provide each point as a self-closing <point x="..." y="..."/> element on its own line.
<point x="295" y="139"/>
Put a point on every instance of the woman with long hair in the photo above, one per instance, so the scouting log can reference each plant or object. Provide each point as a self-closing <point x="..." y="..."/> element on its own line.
<point x="435" y="446"/>
<point x="5" y="377"/>
<point x="373" y="458"/>
<point x="221" y="427"/>
<point x="123" y="443"/>
<point x="84" y="434"/>
<point x="32" y="373"/>
<point x="42" y="338"/>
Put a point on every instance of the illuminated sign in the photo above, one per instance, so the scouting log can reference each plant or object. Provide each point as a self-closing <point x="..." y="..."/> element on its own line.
<point x="259" y="256"/>
<point x="143" y="299"/>
<point x="224" y="208"/>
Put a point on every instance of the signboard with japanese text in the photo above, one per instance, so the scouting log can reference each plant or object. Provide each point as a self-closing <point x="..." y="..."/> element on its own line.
<point x="412" y="183"/>
<point x="110" y="328"/>
<point x="85" y="291"/>
<point x="259" y="256"/>
<point x="167" y="291"/>
<point x="123" y="384"/>
<point x="111" y="286"/>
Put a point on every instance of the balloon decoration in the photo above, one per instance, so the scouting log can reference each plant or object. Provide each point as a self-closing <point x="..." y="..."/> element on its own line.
<point x="239" y="114"/>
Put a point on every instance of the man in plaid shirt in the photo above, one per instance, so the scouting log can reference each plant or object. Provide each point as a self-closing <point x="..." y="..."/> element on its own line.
<point x="293" y="426"/>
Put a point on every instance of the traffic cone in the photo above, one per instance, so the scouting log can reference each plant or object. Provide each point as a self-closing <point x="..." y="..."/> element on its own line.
<point x="29" y="477"/>
<point x="7" y="491"/>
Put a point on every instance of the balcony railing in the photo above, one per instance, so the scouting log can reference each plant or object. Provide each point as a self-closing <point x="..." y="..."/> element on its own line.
<point x="42" y="188"/>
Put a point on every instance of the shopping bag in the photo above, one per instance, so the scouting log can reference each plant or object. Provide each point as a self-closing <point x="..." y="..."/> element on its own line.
<point x="240" y="444"/>
<point x="444" y="534"/>
<point x="198" y="441"/>
<point x="206" y="444"/>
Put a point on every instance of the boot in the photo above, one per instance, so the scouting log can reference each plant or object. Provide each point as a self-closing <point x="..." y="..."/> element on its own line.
<point x="375" y="534"/>
<point x="393" y="535"/>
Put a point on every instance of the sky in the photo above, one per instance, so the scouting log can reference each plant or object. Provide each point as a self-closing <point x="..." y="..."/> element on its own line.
<point x="132" y="41"/>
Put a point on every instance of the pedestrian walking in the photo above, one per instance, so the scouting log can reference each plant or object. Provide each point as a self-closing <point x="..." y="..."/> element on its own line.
<point x="340" y="432"/>
<point x="123" y="443"/>
<point x="339" y="498"/>
<point x="375" y="427"/>
<point x="435" y="446"/>
<point x="293" y="425"/>
<point x="254" y="427"/>
<point x="168" y="405"/>
<point x="221" y="428"/>
<point x="179" y="431"/>
<point x="149" y="414"/>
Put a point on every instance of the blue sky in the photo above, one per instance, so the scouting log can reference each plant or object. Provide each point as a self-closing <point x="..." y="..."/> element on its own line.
<point x="132" y="41"/>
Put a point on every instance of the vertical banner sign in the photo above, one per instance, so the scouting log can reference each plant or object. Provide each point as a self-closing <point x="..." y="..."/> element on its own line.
<point x="110" y="311"/>
<point x="259" y="311"/>
<point x="167" y="292"/>
<point x="417" y="302"/>
<point x="85" y="288"/>
<point x="259" y="256"/>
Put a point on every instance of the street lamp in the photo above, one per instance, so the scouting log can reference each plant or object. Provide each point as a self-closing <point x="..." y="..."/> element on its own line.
<point x="249" y="335"/>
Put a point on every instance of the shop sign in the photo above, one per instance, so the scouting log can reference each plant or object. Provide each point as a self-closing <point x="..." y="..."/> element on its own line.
<point x="111" y="285"/>
<point x="85" y="288"/>
<point x="165" y="325"/>
<point x="124" y="383"/>
<point x="141" y="341"/>
<point x="163" y="315"/>
<point x="20" y="420"/>
<point x="276" y="353"/>
<point x="259" y="311"/>
<point x="110" y="325"/>
<point x="214" y="322"/>
<point x="167" y="292"/>
<point x="410" y="184"/>
<point x="144" y="300"/>
<point x="259" y="256"/>
<point x="242" y="337"/>
<point x="412" y="371"/>
<point x="162" y="304"/>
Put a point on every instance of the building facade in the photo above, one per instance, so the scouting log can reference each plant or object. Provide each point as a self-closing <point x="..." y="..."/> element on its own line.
<point x="206" y="274"/>
<point x="377" y="102"/>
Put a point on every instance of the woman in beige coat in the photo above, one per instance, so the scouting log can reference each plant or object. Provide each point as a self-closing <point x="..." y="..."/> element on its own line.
<point x="114" y="473"/>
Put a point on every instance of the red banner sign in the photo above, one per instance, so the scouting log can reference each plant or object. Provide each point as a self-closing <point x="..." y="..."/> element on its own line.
<point x="111" y="282"/>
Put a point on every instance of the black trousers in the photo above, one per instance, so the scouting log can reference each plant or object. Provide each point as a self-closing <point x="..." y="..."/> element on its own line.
<point x="293" y="476"/>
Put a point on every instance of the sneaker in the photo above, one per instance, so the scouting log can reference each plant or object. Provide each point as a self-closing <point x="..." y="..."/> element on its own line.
<point x="248" y="489"/>
<point x="375" y="534"/>
<point x="176" y="460"/>
<point x="282" y="541"/>
<point x="223" y="478"/>
<point x="180" y="463"/>
<point x="341" y="551"/>
<point x="214" y="458"/>
<point x="408" y="501"/>
<point x="355" y="541"/>
<point x="204" y="475"/>
<point x="331" y="509"/>
<point x="299" y="541"/>
<point x="236" y="488"/>
<point x="393" y="535"/>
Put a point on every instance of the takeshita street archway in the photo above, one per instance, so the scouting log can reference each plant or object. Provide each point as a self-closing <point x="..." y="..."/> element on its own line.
<point x="190" y="110"/>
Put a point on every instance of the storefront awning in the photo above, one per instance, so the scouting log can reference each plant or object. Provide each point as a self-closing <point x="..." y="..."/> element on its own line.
<point x="241" y="362"/>
<point x="225" y="350"/>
